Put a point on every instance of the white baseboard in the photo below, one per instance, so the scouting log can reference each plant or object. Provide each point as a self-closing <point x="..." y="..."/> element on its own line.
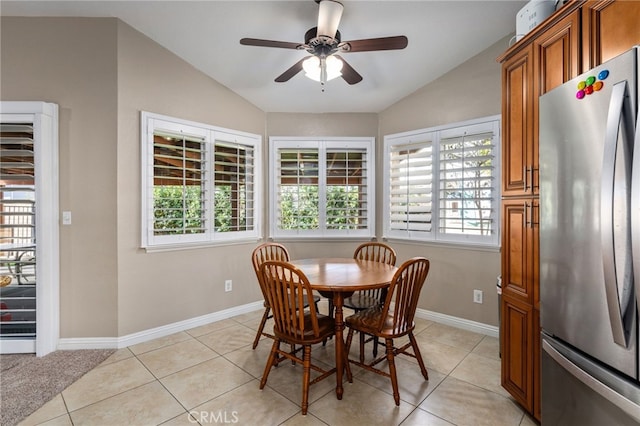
<point x="465" y="324"/>
<point x="165" y="330"/>
<point x="154" y="333"/>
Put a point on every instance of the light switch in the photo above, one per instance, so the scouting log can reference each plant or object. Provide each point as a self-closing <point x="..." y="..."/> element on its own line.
<point x="66" y="218"/>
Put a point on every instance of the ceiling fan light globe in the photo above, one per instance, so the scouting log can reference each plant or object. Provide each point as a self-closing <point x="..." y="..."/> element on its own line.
<point x="311" y="67"/>
<point x="334" y="67"/>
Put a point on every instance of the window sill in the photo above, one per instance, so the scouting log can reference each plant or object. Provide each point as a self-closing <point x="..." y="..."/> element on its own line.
<point x="447" y="244"/>
<point x="198" y="245"/>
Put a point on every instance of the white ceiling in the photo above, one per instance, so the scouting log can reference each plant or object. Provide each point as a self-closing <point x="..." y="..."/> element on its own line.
<point x="442" y="35"/>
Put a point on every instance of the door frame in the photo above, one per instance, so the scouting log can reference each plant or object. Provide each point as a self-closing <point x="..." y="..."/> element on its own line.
<point x="44" y="117"/>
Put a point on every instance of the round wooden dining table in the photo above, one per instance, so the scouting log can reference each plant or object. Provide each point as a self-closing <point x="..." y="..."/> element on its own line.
<point x="338" y="278"/>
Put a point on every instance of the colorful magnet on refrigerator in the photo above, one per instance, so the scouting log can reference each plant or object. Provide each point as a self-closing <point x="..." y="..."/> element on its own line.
<point x="590" y="80"/>
<point x="582" y="85"/>
<point x="588" y="90"/>
<point x="603" y="74"/>
<point x="580" y="94"/>
<point x="597" y="85"/>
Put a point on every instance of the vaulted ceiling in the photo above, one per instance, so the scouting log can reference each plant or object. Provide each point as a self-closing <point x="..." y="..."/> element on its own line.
<point x="441" y="34"/>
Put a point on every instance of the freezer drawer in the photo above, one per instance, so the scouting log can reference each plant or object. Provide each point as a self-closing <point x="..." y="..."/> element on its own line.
<point x="577" y="391"/>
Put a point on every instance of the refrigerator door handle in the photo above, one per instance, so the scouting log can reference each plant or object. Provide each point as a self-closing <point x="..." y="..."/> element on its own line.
<point x="620" y="401"/>
<point x="635" y="210"/>
<point x="616" y="108"/>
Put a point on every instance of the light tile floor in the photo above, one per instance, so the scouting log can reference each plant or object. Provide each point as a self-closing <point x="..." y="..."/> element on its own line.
<point x="210" y="375"/>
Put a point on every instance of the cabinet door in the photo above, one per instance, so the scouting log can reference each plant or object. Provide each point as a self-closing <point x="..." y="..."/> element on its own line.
<point x="517" y="350"/>
<point x="520" y="249"/>
<point x="517" y="124"/>
<point x="556" y="54"/>
<point x="609" y="29"/>
<point x="537" y="366"/>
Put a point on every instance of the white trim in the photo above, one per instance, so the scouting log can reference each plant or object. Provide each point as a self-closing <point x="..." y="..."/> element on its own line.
<point x="155" y="333"/>
<point x="209" y="135"/>
<point x="44" y="117"/>
<point x="322" y="145"/>
<point x="166" y="330"/>
<point x="433" y="136"/>
<point x="465" y="324"/>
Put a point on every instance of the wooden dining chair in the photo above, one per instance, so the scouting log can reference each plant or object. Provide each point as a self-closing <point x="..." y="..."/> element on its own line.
<point x="393" y="320"/>
<point x="286" y="288"/>
<point x="262" y="253"/>
<point x="365" y="299"/>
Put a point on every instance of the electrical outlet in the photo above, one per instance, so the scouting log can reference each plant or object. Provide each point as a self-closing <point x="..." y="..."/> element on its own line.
<point x="228" y="285"/>
<point x="477" y="296"/>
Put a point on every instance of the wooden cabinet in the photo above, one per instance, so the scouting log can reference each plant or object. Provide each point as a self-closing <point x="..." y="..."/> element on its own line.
<point x="609" y="28"/>
<point x="517" y="351"/>
<point x="520" y="249"/>
<point x="520" y="300"/>
<point x="517" y="117"/>
<point x="580" y="35"/>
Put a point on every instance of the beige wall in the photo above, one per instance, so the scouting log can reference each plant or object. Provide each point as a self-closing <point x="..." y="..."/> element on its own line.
<point x="156" y="289"/>
<point x="102" y="73"/>
<point x="471" y="90"/>
<point x="72" y="62"/>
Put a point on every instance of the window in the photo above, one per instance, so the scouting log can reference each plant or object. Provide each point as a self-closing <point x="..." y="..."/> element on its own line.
<point x="198" y="183"/>
<point x="442" y="184"/>
<point x="322" y="187"/>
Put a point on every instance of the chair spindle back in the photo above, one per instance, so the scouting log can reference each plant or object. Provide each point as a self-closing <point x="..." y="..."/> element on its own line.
<point x="404" y="292"/>
<point x="287" y="289"/>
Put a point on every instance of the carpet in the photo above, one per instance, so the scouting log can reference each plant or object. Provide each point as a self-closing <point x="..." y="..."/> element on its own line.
<point x="28" y="382"/>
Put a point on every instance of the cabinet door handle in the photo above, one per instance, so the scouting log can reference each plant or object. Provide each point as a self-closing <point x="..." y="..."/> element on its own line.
<point x="526" y="214"/>
<point x="531" y="178"/>
<point x="525" y="169"/>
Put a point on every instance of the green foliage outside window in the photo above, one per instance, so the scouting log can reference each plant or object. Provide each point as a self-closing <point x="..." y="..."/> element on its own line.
<point x="178" y="210"/>
<point x="300" y="209"/>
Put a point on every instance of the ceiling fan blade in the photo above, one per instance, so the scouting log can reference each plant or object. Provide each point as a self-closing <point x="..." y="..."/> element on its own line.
<point x="329" y="15"/>
<point x="371" y="44"/>
<point x="295" y="69"/>
<point x="269" y="43"/>
<point x="349" y="75"/>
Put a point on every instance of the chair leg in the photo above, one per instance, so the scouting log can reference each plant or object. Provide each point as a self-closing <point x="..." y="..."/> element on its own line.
<point x="347" y="349"/>
<point x="375" y="347"/>
<point x="418" y="355"/>
<point x="362" y="336"/>
<point x="348" y="367"/>
<point x="270" y="362"/>
<point x="347" y="345"/>
<point x="306" y="376"/>
<point x="392" y="371"/>
<point x="265" y="316"/>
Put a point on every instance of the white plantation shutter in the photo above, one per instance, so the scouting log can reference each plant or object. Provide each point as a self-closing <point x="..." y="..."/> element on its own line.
<point x="346" y="189"/>
<point x="410" y="187"/>
<point x="322" y="188"/>
<point x="297" y="189"/>
<point x="467" y="184"/>
<point x="179" y="182"/>
<point x="441" y="184"/>
<point x="198" y="183"/>
<point x="234" y="186"/>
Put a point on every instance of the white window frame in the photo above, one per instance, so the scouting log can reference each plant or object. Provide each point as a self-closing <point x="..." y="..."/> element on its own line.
<point x="322" y="144"/>
<point x="435" y="135"/>
<point x="152" y="123"/>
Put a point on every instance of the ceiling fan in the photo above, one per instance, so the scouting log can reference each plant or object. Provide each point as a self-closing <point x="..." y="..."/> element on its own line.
<point x="323" y="43"/>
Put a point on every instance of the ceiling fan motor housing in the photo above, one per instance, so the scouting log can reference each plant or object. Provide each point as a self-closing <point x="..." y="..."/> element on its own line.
<point x="321" y="45"/>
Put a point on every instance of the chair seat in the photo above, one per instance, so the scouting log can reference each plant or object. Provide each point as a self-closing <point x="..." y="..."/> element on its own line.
<point x="359" y="302"/>
<point x="369" y="319"/>
<point x="326" y="326"/>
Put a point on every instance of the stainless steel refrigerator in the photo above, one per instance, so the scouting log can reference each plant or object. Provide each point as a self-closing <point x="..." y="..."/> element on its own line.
<point x="590" y="247"/>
